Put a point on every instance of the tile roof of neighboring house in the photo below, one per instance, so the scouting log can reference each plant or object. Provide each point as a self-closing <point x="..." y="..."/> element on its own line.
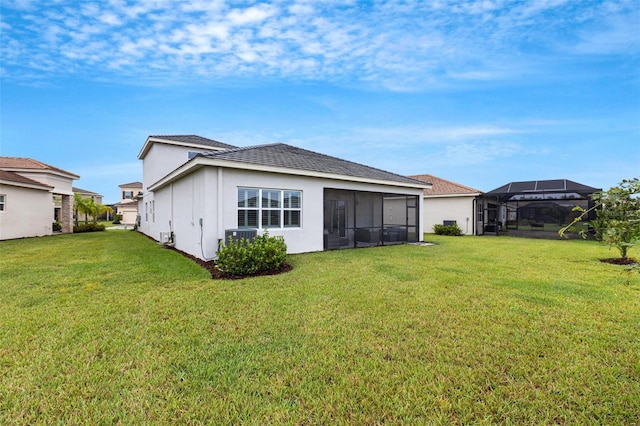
<point x="131" y="184"/>
<point x="445" y="187"/>
<point x="84" y="191"/>
<point x="20" y="163"/>
<point x="287" y="156"/>
<point x="19" y="179"/>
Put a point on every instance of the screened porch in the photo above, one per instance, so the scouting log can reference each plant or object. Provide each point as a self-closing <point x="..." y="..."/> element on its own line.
<point x="363" y="219"/>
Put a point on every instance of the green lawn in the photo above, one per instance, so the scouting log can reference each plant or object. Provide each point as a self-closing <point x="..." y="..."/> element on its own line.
<point x="110" y="328"/>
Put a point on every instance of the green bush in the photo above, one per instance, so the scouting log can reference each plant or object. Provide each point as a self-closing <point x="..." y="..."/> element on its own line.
<point x="88" y="227"/>
<point x="262" y="255"/>
<point x="447" y="230"/>
<point x="57" y="226"/>
<point x="116" y="219"/>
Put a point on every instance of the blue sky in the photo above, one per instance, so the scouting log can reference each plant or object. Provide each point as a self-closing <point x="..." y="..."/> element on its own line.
<point x="479" y="92"/>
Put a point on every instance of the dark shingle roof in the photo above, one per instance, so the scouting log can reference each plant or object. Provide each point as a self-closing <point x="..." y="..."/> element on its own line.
<point x="290" y="157"/>
<point x="194" y="139"/>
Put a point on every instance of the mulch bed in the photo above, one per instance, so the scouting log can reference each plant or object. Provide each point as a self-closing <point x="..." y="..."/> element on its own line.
<point x="619" y="261"/>
<point x="217" y="274"/>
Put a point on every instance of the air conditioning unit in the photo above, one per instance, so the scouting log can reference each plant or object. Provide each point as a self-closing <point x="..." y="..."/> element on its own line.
<point x="165" y="237"/>
<point x="238" y="234"/>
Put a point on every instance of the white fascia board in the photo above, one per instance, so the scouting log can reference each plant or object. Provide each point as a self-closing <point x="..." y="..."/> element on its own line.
<point x="199" y="162"/>
<point x="59" y="173"/>
<point x="26" y="185"/>
<point x="150" y="141"/>
<point x="476" y="194"/>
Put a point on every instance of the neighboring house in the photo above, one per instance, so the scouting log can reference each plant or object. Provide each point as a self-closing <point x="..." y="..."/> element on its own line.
<point x="198" y="191"/>
<point x="32" y="196"/>
<point x="533" y="208"/>
<point x="128" y="205"/>
<point x="97" y="198"/>
<point x="448" y="203"/>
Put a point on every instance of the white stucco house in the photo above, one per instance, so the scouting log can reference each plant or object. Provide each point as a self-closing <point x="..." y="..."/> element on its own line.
<point x="33" y="195"/>
<point x="447" y="202"/>
<point x="197" y="191"/>
<point x="127" y="207"/>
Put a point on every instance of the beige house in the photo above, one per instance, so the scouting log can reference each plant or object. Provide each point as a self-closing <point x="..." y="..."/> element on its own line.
<point x="97" y="198"/>
<point x="128" y="205"/>
<point x="33" y="195"/>
<point x="446" y="203"/>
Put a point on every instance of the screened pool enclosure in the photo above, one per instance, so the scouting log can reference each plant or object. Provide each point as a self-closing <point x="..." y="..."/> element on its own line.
<point x="542" y="206"/>
<point x="362" y="219"/>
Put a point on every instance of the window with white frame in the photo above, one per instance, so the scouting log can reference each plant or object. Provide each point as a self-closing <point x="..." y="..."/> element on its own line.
<point x="3" y="202"/>
<point x="269" y="208"/>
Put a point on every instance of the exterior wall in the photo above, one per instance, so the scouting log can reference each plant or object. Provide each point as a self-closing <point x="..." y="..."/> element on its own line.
<point x="28" y="213"/>
<point x="458" y="208"/>
<point x="210" y="194"/>
<point x="162" y="159"/>
<point x="61" y="185"/>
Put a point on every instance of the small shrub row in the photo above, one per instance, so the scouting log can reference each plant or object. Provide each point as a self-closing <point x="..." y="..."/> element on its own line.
<point x="262" y="255"/>
<point x="447" y="230"/>
<point x="88" y="227"/>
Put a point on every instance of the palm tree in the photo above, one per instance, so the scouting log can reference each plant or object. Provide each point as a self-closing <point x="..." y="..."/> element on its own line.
<point x="98" y="210"/>
<point x="81" y="205"/>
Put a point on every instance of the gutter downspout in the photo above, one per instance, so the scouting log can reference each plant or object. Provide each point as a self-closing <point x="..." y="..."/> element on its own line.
<point x="220" y="209"/>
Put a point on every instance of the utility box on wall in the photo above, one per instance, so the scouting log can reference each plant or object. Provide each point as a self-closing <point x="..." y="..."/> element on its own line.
<point x="238" y="234"/>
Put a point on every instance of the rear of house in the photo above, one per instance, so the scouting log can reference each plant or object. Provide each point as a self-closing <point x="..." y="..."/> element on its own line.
<point x="314" y="201"/>
<point x="449" y="203"/>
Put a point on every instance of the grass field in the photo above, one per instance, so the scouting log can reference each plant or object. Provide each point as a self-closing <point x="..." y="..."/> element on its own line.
<point x="110" y="328"/>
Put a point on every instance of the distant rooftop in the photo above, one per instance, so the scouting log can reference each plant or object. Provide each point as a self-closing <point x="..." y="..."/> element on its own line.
<point x="131" y="184"/>
<point x="27" y="164"/>
<point x="84" y="191"/>
<point x="444" y="187"/>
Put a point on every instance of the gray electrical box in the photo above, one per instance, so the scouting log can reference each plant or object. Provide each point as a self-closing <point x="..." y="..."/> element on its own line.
<point x="238" y="234"/>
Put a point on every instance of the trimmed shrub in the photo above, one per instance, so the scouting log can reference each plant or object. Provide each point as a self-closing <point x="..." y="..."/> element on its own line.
<point x="262" y="255"/>
<point x="57" y="226"/>
<point x="88" y="227"/>
<point x="116" y="219"/>
<point x="447" y="230"/>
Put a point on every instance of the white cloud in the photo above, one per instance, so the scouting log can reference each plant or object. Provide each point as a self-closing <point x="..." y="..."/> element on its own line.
<point x="251" y="15"/>
<point x="404" y="46"/>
